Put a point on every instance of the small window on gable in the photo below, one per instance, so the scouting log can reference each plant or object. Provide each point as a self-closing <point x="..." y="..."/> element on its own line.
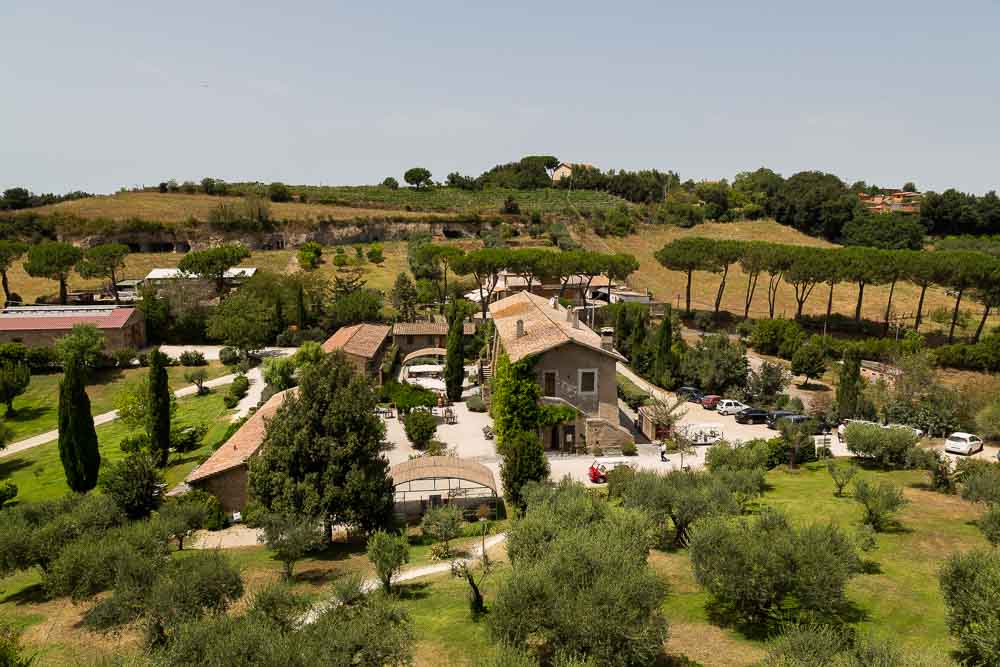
<point x="588" y="381"/>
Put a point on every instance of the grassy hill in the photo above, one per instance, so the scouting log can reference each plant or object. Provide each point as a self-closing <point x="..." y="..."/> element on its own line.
<point x="176" y="207"/>
<point x="667" y="285"/>
<point x="455" y="200"/>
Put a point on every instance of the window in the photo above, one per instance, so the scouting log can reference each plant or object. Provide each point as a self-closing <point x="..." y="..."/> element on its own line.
<point x="587" y="381"/>
<point x="549" y="383"/>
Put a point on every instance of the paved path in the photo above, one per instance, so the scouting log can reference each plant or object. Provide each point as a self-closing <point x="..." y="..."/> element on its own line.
<point x="104" y="418"/>
<point x="406" y="575"/>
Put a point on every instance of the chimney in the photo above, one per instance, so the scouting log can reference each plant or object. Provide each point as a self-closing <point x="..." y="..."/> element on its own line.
<point x="520" y="328"/>
<point x="607" y="338"/>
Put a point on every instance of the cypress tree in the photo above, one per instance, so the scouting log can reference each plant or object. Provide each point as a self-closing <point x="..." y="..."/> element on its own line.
<point x="158" y="408"/>
<point x="523" y="461"/>
<point x="454" y="363"/>
<point x="849" y="387"/>
<point x="300" y="307"/>
<point x="663" y="358"/>
<point x="78" y="451"/>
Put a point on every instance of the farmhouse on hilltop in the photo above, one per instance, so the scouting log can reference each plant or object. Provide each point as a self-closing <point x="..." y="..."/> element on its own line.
<point x="574" y="365"/>
<point x="565" y="170"/>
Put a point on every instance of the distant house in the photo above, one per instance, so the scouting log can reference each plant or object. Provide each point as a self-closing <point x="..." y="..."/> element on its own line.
<point x="896" y="201"/>
<point x="364" y="345"/>
<point x="575" y="366"/>
<point x="508" y="283"/>
<point x="411" y="336"/>
<point x="225" y="474"/>
<point x="163" y="277"/>
<point x="42" y="326"/>
<point x="610" y="294"/>
<point x="565" y="170"/>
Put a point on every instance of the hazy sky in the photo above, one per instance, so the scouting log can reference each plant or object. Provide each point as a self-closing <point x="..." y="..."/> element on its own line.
<point x="99" y="95"/>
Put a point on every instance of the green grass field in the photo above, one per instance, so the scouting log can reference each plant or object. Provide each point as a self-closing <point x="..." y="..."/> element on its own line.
<point x="899" y="599"/>
<point x="39" y="475"/>
<point x="454" y="200"/>
<point x="37" y="408"/>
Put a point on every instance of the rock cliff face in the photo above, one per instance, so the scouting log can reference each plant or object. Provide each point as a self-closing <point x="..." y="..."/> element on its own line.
<point x="184" y="238"/>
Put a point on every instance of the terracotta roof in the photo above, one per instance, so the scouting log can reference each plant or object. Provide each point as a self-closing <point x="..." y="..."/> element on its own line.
<point x="428" y="329"/>
<point x="47" y="318"/>
<point x="546" y="326"/>
<point x="362" y="340"/>
<point x="243" y="444"/>
<point x="442" y="467"/>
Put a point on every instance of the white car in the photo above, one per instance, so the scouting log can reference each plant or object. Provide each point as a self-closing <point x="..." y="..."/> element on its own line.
<point x="963" y="443"/>
<point x="916" y="431"/>
<point x="729" y="406"/>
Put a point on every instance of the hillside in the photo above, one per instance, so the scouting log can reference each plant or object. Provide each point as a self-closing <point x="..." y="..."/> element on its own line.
<point x="454" y="200"/>
<point x="667" y="285"/>
<point x="176" y="207"/>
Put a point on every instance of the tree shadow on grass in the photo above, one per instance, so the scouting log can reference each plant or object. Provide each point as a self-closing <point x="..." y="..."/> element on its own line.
<point x="29" y="414"/>
<point x="415" y="590"/>
<point x="896" y="528"/>
<point x="33" y="594"/>
<point x="9" y="466"/>
<point x="339" y="551"/>
<point x="724" y="616"/>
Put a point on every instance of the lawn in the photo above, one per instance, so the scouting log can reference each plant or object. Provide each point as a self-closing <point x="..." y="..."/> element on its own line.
<point x="901" y="600"/>
<point x="545" y="200"/>
<point x="667" y="285"/>
<point x="179" y="208"/>
<point x="39" y="475"/>
<point x="37" y="409"/>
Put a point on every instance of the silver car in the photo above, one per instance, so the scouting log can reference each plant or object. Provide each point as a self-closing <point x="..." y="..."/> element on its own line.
<point x="729" y="406"/>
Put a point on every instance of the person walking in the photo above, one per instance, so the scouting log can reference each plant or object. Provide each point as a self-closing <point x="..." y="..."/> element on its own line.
<point x="663" y="452"/>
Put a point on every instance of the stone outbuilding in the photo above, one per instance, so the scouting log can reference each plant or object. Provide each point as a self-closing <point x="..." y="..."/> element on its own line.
<point x="42" y="326"/>
<point x="226" y="473"/>
<point x="364" y="345"/>
<point x="411" y="336"/>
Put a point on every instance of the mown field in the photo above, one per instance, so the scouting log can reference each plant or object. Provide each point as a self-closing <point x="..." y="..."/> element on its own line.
<point x="546" y="200"/>
<point x="38" y="471"/>
<point x="667" y="285"/>
<point x="177" y="207"/>
<point x="37" y="408"/>
<point x="898" y="599"/>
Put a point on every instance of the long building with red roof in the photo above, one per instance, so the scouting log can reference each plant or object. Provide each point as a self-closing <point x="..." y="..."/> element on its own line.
<point x="42" y="326"/>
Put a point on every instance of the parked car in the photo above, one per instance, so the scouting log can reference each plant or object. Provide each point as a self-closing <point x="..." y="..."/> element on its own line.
<point x="820" y="426"/>
<point x="729" y="406"/>
<point x="599" y="469"/>
<point x="710" y="401"/>
<point x="691" y="394"/>
<point x="704" y="434"/>
<point x="751" y="416"/>
<point x="963" y="443"/>
<point x="773" y="417"/>
<point x="916" y="431"/>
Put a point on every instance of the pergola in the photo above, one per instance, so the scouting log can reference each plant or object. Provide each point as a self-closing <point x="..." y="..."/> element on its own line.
<point x="429" y="481"/>
<point x="425" y="352"/>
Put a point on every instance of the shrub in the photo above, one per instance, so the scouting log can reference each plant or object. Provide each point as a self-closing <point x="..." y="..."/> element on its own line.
<point x="390" y="183"/>
<point x="752" y="565"/>
<point x="777" y="337"/>
<point x="388" y="553"/>
<point x="135" y="484"/>
<point x="214" y="518"/>
<point x="420" y="427"/>
<point x="187" y="438"/>
<point x="633" y="396"/>
<point x="229" y="356"/>
<point x="880" y="502"/>
<point x="811" y="645"/>
<point x="8" y="491"/>
<point x="887" y="446"/>
<point x="192" y="358"/>
<point x="841" y="474"/>
<point x="629" y="449"/>
<point x="475" y="404"/>
<point x="746" y="456"/>
<point x="989" y="525"/>
<point x="230" y="401"/>
<point x="197" y="377"/>
<point x="187" y="589"/>
<point x="970" y="583"/>
<point x="124" y="357"/>
<point x="279" y="372"/>
<point x="443" y="524"/>
<point x="11" y="653"/>
<point x="290" y="538"/>
<point x="375" y="254"/>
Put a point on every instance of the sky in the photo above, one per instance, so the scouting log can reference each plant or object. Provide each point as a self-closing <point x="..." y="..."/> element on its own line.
<point x="103" y="95"/>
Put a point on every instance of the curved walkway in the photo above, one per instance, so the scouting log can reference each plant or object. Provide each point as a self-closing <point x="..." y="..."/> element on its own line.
<point x="406" y="575"/>
<point x="103" y="418"/>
